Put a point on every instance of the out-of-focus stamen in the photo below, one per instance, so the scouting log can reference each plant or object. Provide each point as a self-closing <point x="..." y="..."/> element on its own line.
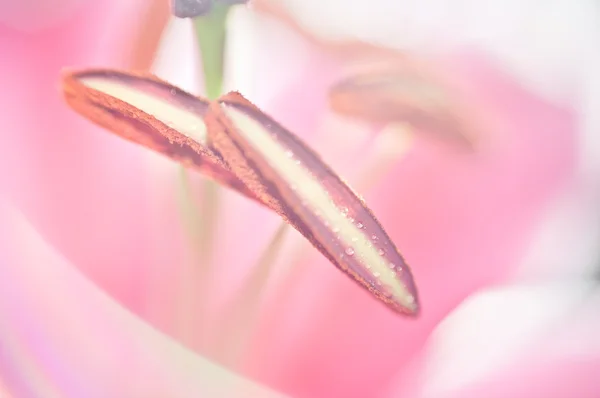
<point x="404" y="95"/>
<point x="241" y="313"/>
<point x="390" y="144"/>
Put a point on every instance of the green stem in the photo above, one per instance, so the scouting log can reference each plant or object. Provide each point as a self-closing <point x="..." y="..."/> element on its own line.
<point x="200" y="222"/>
<point x="212" y="35"/>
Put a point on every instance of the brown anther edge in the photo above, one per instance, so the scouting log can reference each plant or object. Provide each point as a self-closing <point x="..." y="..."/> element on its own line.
<point x="243" y="161"/>
<point x="132" y="124"/>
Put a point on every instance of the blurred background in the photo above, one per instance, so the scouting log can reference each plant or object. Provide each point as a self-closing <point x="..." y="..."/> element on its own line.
<point x="470" y="128"/>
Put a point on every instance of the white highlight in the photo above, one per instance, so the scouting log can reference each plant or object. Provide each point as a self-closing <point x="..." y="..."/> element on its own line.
<point x="310" y="191"/>
<point x="545" y="56"/>
<point x="188" y="123"/>
<point x="490" y="330"/>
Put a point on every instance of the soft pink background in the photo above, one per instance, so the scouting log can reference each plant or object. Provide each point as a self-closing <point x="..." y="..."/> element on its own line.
<point x="108" y="209"/>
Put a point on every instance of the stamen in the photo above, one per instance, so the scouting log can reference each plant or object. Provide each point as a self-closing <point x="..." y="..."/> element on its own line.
<point x="148" y="111"/>
<point x="307" y="194"/>
<point x="404" y="95"/>
<point x="189" y="123"/>
<point x="390" y="144"/>
<point x="193" y="288"/>
<point x="383" y="152"/>
<point x="253" y="154"/>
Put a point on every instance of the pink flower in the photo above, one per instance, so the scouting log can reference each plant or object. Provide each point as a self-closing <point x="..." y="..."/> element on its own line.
<point x="103" y="294"/>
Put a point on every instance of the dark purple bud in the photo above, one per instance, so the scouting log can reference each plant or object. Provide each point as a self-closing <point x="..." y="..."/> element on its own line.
<point x="190" y="8"/>
<point x="231" y="2"/>
<point x="196" y="8"/>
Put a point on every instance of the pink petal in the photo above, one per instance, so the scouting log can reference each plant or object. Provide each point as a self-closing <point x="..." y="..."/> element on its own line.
<point x="102" y="203"/>
<point x="461" y="221"/>
<point x="60" y="334"/>
<point x="36" y="15"/>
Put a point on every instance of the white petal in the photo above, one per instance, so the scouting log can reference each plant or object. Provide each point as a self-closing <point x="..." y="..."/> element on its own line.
<point x="491" y="329"/>
<point x="544" y="44"/>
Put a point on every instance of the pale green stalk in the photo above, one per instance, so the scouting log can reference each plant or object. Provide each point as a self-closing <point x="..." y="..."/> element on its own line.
<point x="200" y="221"/>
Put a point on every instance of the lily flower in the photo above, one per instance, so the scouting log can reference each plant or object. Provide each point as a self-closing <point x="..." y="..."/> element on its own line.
<point x="108" y="291"/>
